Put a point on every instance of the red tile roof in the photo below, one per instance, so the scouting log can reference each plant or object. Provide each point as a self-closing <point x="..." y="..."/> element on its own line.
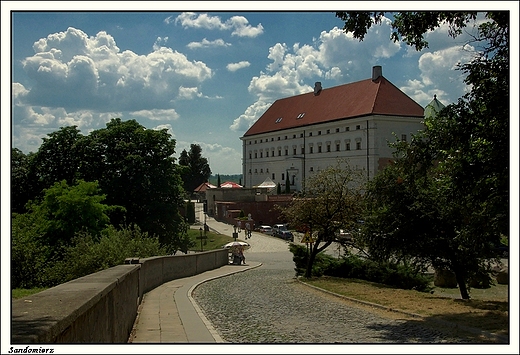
<point x="352" y="100"/>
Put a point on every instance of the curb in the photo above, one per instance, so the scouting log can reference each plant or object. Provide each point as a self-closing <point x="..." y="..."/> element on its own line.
<point x="476" y="331"/>
<point x="209" y="326"/>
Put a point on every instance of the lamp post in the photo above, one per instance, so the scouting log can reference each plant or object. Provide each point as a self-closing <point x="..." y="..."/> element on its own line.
<point x="235" y="234"/>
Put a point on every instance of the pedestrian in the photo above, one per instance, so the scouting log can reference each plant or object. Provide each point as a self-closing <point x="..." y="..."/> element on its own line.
<point x="241" y="255"/>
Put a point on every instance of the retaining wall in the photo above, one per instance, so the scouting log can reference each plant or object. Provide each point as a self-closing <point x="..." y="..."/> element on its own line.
<point x="101" y="307"/>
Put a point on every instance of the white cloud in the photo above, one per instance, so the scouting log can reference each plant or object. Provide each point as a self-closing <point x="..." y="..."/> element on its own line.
<point x="252" y="113"/>
<point x="74" y="71"/>
<point x="167" y="127"/>
<point x="156" y="114"/>
<point x="208" y="44"/>
<point x="238" y="24"/>
<point x="236" y="66"/>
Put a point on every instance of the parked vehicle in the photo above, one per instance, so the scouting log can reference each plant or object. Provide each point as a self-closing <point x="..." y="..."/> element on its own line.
<point x="285" y="235"/>
<point x="266" y="230"/>
<point x="279" y="227"/>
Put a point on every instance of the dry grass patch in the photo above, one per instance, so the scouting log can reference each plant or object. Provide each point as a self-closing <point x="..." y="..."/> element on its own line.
<point x="487" y="310"/>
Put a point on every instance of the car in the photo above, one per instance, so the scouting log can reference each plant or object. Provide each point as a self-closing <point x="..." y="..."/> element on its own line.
<point x="285" y="235"/>
<point x="279" y="227"/>
<point x="266" y="230"/>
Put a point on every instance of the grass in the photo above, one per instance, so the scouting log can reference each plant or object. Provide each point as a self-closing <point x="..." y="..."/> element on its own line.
<point x="487" y="310"/>
<point x="24" y="292"/>
<point x="213" y="241"/>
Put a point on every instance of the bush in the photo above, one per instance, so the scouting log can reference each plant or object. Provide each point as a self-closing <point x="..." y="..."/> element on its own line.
<point x="353" y="267"/>
<point x="86" y="255"/>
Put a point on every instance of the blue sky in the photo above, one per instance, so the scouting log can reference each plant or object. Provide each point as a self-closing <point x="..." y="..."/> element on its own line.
<point x="206" y="76"/>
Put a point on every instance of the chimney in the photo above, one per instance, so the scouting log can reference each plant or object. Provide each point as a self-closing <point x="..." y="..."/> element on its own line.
<point x="317" y="88"/>
<point x="377" y="71"/>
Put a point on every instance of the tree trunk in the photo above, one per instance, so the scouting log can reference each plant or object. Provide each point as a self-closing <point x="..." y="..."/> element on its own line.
<point x="310" y="261"/>
<point x="462" y="285"/>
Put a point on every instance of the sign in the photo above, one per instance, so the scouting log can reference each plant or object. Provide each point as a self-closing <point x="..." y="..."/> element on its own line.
<point x="307" y="238"/>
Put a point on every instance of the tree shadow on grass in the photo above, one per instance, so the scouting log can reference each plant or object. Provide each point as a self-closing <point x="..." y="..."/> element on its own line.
<point x="446" y="327"/>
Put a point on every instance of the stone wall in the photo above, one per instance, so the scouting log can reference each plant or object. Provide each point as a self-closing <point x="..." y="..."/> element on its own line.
<point x="101" y="307"/>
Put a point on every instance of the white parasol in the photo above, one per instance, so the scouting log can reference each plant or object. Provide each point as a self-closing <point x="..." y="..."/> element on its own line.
<point x="237" y="244"/>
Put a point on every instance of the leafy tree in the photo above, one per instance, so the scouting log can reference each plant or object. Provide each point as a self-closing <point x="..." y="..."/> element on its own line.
<point x="198" y="170"/>
<point x="136" y="169"/>
<point x="66" y="210"/>
<point x="20" y="182"/>
<point x="332" y="201"/>
<point x="57" y="159"/>
<point x="446" y="200"/>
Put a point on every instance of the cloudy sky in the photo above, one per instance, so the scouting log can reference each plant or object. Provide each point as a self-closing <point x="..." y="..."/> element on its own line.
<point x="206" y="76"/>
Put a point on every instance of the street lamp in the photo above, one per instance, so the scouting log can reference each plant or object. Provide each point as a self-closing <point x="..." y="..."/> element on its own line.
<point x="235" y="234"/>
<point x="201" y="247"/>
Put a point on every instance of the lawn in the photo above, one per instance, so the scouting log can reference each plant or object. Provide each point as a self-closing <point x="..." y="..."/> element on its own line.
<point x="487" y="310"/>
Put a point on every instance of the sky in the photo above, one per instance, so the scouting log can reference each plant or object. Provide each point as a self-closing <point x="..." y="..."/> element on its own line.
<point x="205" y="76"/>
<point x="206" y="71"/>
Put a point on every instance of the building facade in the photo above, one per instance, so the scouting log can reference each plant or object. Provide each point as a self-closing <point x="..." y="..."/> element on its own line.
<point x="300" y="135"/>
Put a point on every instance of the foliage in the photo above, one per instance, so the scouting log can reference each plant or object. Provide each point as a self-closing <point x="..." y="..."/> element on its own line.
<point x="197" y="170"/>
<point x="87" y="255"/>
<point x="332" y="201"/>
<point x="136" y="169"/>
<point x="66" y="210"/>
<point x="354" y="267"/>
<point x="29" y="256"/>
<point x="20" y="181"/>
<point x="190" y="212"/>
<point x="445" y="201"/>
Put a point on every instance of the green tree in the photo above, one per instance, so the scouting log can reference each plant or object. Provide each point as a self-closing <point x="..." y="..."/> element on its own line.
<point x="451" y="201"/>
<point x="332" y="201"/>
<point x="136" y="169"/>
<point x="198" y="170"/>
<point x="20" y="182"/>
<point x="66" y="210"/>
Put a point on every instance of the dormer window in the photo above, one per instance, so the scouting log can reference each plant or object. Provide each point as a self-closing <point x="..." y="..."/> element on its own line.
<point x="278" y="120"/>
<point x="300" y="116"/>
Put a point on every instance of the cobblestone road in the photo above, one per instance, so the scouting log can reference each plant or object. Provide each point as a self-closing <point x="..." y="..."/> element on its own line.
<point x="268" y="305"/>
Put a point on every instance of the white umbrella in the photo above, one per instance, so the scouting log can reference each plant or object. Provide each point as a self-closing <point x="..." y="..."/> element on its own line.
<point x="237" y="244"/>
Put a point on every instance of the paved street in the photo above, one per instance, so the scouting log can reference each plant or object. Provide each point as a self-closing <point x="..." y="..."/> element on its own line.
<point x="268" y="305"/>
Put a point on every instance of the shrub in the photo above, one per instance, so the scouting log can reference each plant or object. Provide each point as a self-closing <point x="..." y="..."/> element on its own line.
<point x="353" y="267"/>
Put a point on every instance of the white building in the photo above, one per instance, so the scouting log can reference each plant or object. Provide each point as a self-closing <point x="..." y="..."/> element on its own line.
<point x="299" y="135"/>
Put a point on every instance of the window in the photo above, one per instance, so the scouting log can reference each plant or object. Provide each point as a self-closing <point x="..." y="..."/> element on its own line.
<point x="250" y="155"/>
<point x="319" y="149"/>
<point x="300" y="116"/>
<point x="278" y="120"/>
<point x="311" y="169"/>
<point x="256" y="155"/>
<point x="328" y="148"/>
<point x="294" y="135"/>
<point x="261" y="154"/>
<point x="272" y="153"/>
<point x="278" y="139"/>
<point x="358" y="127"/>
<point x="319" y="133"/>
<point x="279" y="152"/>
<point x="347" y="147"/>
<point x="328" y="131"/>
<point x="286" y="151"/>
<point x="403" y="137"/>
<point x="337" y="147"/>
<point x="310" y="150"/>
<point x="285" y="137"/>
<point x="337" y="130"/>
<point x="347" y="129"/>
<point x="358" y="145"/>
<point x="303" y="150"/>
<point x="272" y="177"/>
<point x="301" y="135"/>
<point x="310" y="134"/>
<point x="283" y="176"/>
<point x="294" y="151"/>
